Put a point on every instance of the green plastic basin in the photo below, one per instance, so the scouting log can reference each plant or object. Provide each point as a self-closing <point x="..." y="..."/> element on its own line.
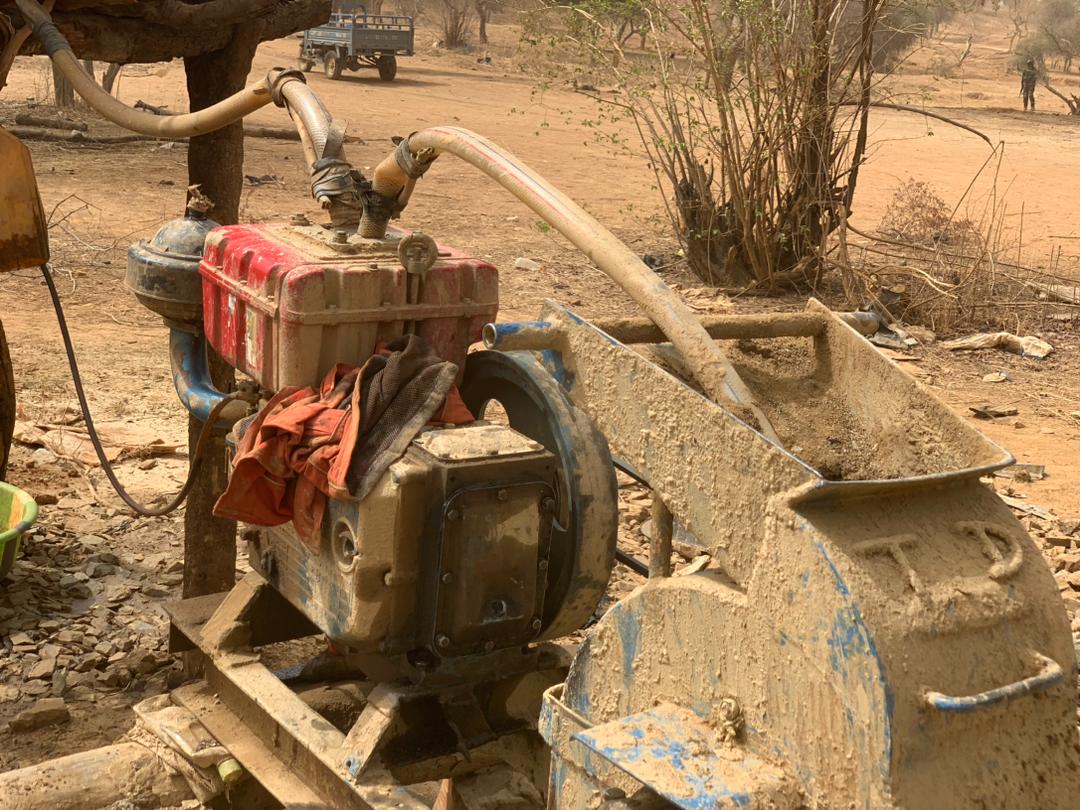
<point x="18" y="511"/>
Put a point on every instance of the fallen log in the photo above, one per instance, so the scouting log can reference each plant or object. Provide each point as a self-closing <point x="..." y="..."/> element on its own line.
<point x="50" y="121"/>
<point x="1072" y="103"/>
<point x="277" y="133"/>
<point x="95" y="779"/>
<point x="43" y="133"/>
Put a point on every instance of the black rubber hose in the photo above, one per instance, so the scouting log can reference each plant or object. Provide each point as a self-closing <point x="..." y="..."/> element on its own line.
<point x="200" y="445"/>
<point x="631" y="562"/>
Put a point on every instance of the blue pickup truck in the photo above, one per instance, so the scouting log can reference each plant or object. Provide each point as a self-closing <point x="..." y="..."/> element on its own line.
<point x="356" y="39"/>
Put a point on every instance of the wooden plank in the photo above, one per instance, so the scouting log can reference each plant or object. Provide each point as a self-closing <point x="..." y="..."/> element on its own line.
<point x="269" y="771"/>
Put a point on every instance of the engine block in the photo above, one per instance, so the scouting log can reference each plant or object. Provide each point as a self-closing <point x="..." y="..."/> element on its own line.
<point x="448" y="553"/>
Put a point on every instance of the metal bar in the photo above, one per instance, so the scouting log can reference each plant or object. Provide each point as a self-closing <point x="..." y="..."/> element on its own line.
<point x="266" y="710"/>
<point x="289" y="729"/>
<point x="629" y="471"/>
<point x="274" y="619"/>
<point x="1049" y="675"/>
<point x="525" y="335"/>
<point x="251" y="752"/>
<point x="660" y="542"/>
<point x="735" y="327"/>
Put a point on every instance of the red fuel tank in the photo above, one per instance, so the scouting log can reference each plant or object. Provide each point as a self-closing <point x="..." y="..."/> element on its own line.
<point x="284" y="303"/>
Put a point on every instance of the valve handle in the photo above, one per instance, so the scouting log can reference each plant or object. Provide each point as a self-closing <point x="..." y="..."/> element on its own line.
<point x="1049" y="675"/>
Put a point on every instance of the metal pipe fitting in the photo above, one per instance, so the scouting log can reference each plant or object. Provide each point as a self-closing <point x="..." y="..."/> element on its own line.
<point x="535" y="336"/>
<point x="736" y="327"/>
<point x="392" y="185"/>
<point x="191" y="377"/>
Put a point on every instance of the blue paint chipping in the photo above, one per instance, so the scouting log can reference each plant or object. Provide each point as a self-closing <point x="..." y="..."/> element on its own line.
<point x="505" y="330"/>
<point x="191" y="374"/>
<point x="850" y="640"/>
<point x="667" y="748"/>
<point x="553" y="362"/>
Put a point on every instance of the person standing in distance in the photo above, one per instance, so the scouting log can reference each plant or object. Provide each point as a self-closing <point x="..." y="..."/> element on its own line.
<point x="1027" y="84"/>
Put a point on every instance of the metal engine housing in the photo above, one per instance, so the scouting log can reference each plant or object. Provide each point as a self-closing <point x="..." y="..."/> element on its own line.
<point x="448" y="553"/>
<point x="163" y="272"/>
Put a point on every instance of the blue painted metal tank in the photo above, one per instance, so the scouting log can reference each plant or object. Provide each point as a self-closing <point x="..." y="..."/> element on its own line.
<point x="163" y="272"/>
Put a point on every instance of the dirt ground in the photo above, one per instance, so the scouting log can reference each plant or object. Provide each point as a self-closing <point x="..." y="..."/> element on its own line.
<point x="92" y="567"/>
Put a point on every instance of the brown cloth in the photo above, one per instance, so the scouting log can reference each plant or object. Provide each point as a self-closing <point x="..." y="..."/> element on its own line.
<point x="308" y="445"/>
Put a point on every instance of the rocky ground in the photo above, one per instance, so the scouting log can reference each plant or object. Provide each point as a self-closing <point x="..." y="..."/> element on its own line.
<point x="84" y="629"/>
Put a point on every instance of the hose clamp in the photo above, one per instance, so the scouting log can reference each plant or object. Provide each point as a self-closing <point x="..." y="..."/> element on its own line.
<point x="50" y="37"/>
<point x="283" y="77"/>
<point x="408" y="162"/>
<point x="379" y="208"/>
<point x="331" y="176"/>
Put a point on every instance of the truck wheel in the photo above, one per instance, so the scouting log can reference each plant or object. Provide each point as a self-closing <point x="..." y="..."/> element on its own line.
<point x="306" y="65"/>
<point x="7" y="402"/>
<point x="387" y="64"/>
<point x="331" y="65"/>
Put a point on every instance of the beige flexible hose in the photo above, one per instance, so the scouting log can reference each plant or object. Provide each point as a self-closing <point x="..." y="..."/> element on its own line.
<point x="320" y="140"/>
<point x="311" y="117"/>
<point x="215" y="117"/>
<point x="703" y="357"/>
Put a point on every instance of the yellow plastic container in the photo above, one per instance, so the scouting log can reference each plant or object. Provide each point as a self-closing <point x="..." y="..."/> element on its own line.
<point x="18" y="511"/>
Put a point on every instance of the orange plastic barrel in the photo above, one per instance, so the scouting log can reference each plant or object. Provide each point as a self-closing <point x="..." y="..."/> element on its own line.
<point x="24" y="235"/>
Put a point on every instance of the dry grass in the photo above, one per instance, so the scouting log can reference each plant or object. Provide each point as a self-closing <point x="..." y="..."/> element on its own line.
<point x="927" y="265"/>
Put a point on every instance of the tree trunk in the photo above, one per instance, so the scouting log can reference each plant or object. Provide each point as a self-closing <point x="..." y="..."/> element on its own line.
<point x="215" y="163"/>
<point x="483" y="13"/>
<point x="108" y="78"/>
<point x="102" y="777"/>
<point x="63" y="92"/>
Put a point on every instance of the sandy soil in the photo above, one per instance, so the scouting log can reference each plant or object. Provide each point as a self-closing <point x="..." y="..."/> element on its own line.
<point x="103" y="198"/>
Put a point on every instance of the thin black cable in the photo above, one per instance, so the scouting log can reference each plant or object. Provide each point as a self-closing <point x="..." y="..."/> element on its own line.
<point x="200" y="445"/>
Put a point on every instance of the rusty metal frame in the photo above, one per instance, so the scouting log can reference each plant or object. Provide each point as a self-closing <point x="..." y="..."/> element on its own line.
<point x="289" y="748"/>
<point x="297" y="755"/>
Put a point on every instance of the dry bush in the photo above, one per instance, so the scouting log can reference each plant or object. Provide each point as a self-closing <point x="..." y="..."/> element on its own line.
<point x="456" y="19"/>
<point x="752" y="114"/>
<point x="929" y="267"/>
<point x="411" y="8"/>
<point x="943" y="67"/>
<point x="918" y="215"/>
